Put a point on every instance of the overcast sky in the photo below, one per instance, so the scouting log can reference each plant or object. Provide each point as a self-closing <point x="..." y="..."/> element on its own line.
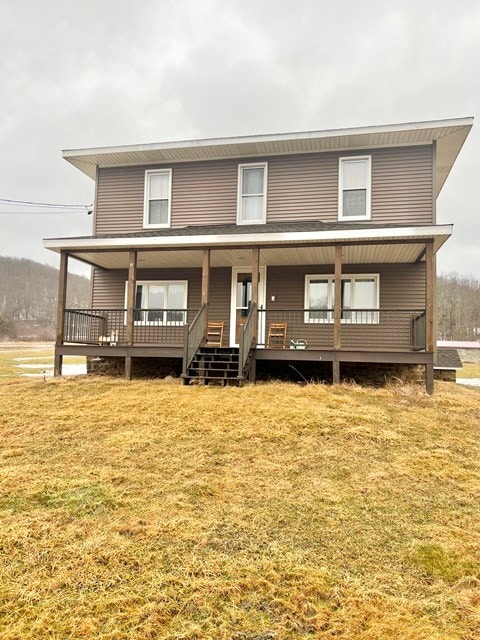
<point x="110" y="72"/>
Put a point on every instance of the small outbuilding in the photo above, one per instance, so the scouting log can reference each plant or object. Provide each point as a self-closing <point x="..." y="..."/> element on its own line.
<point x="448" y="363"/>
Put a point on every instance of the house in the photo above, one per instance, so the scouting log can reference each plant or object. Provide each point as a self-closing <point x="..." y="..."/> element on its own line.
<point x="447" y="364"/>
<point x="229" y="254"/>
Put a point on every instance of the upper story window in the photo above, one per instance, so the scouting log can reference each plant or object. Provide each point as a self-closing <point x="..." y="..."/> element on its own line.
<point x="252" y="193"/>
<point x="354" y="188"/>
<point x="158" y="198"/>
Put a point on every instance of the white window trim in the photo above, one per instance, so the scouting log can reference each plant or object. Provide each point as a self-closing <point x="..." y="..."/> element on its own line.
<point x="157" y="323"/>
<point x="331" y="297"/>
<point x="368" y="195"/>
<point x="146" y="198"/>
<point x="252" y="165"/>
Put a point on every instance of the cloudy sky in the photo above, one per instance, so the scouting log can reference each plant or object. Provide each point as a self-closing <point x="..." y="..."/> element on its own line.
<point x="110" y="72"/>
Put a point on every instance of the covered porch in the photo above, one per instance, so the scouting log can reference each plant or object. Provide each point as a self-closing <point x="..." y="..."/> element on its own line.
<point x="254" y="281"/>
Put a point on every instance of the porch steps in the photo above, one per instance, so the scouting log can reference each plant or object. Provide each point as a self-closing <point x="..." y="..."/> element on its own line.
<point x="217" y="365"/>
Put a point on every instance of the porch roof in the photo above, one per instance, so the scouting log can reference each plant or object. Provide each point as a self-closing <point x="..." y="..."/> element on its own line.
<point x="449" y="136"/>
<point x="281" y="244"/>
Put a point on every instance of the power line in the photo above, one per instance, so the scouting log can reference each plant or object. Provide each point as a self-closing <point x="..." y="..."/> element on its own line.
<point x="46" y="213"/>
<point x="28" y="203"/>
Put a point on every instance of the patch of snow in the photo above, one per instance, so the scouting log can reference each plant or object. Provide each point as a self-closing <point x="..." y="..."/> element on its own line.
<point x="67" y="370"/>
<point x="471" y="382"/>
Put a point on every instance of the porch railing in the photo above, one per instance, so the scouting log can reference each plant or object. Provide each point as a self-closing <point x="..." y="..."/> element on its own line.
<point x="419" y="332"/>
<point x="109" y="326"/>
<point x="369" y="329"/>
<point x="193" y="337"/>
<point x="247" y="336"/>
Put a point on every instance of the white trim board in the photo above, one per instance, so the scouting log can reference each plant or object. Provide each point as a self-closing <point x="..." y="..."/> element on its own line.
<point x="265" y="239"/>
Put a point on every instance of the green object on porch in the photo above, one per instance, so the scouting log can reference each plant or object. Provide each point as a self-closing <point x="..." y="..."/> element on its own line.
<point x="298" y="344"/>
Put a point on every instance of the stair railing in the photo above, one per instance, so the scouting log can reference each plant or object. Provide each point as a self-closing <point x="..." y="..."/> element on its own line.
<point x="193" y="337"/>
<point x="247" y="337"/>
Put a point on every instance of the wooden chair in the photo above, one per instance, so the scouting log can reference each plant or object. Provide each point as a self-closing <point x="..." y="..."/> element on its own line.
<point x="214" y="334"/>
<point x="277" y="335"/>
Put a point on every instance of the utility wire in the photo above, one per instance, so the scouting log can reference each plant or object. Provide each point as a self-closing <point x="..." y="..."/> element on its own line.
<point x="21" y="203"/>
<point x="39" y="213"/>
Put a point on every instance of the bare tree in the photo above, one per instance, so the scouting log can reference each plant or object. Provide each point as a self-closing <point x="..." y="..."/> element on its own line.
<point x="458" y="307"/>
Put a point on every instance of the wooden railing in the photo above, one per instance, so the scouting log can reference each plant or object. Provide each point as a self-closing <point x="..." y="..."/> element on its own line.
<point x="109" y="326"/>
<point x="368" y="329"/>
<point x="247" y="338"/>
<point x="193" y="337"/>
<point x="85" y="326"/>
<point x="418" y="332"/>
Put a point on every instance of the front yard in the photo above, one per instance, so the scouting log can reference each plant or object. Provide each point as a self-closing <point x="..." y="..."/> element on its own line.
<point x="144" y="509"/>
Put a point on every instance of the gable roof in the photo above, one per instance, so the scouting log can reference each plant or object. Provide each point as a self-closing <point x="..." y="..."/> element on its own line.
<point x="449" y="136"/>
<point x="448" y="359"/>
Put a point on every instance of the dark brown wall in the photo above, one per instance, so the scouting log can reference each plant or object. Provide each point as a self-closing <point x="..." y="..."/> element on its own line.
<point x="300" y="188"/>
<point x="109" y="289"/>
<point x="402" y="286"/>
<point x="109" y="286"/>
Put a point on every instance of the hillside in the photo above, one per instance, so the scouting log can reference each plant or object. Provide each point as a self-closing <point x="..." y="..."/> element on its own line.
<point x="274" y="512"/>
<point x="28" y="297"/>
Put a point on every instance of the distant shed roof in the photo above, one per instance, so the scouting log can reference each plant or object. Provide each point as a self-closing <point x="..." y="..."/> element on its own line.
<point x="458" y="344"/>
<point x="448" y="359"/>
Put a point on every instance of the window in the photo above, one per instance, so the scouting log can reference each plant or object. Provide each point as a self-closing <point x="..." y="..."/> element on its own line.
<point x="360" y="298"/>
<point x="158" y="197"/>
<point x="354" y="188"/>
<point x="252" y="193"/>
<point x="160" y="302"/>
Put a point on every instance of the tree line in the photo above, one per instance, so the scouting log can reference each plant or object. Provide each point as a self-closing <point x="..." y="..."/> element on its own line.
<point x="28" y="295"/>
<point x="458" y="307"/>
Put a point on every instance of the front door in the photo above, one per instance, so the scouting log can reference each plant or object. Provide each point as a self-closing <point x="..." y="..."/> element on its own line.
<point x="241" y="298"/>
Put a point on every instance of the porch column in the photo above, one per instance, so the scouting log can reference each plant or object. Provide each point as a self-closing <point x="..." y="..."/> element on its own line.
<point x="61" y="300"/>
<point x="255" y="281"/>
<point x="206" y="283"/>
<point x="430" y="343"/>
<point x="337" y="310"/>
<point x="132" y="285"/>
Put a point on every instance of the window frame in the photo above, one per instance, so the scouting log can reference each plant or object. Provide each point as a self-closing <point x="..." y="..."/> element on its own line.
<point x="146" y="199"/>
<point x="240" y="195"/>
<point x="163" y="322"/>
<point x="368" y="188"/>
<point x="331" y="297"/>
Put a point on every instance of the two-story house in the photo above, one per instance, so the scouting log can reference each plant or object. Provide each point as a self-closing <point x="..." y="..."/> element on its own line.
<point x="223" y="253"/>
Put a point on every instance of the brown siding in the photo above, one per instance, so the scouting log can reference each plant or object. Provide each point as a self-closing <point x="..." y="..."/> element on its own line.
<point x="109" y="286"/>
<point x="402" y="185"/>
<point x="300" y="188"/>
<point x="402" y="286"/>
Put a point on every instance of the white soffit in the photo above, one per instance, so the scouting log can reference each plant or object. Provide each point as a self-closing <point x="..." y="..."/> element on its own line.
<point x="449" y="135"/>
<point x="271" y="257"/>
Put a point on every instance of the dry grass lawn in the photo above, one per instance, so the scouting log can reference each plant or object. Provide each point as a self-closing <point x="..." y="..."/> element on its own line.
<point x="151" y="510"/>
<point x="469" y="370"/>
<point x="35" y="355"/>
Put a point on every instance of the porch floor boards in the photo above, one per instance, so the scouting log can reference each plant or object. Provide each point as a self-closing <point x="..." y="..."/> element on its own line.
<point x="311" y="354"/>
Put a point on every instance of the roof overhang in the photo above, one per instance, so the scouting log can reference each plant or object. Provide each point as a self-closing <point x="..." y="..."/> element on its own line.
<point x="448" y="135"/>
<point x="372" y="245"/>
